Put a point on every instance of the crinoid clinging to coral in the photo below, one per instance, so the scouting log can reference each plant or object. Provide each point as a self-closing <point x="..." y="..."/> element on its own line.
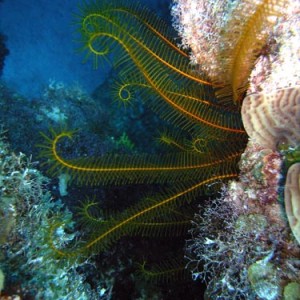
<point x="206" y="140"/>
<point x="207" y="137"/>
<point x="226" y="37"/>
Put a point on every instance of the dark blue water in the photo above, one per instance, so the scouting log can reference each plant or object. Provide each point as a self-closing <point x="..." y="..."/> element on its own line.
<point x="41" y="40"/>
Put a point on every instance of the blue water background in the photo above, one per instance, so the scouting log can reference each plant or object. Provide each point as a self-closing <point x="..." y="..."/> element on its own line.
<point x="41" y="38"/>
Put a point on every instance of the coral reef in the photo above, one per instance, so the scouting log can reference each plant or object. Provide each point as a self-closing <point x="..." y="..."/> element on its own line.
<point x="272" y="119"/>
<point x="188" y="17"/>
<point x="226" y="37"/>
<point x="243" y="240"/>
<point x="52" y="108"/>
<point x="241" y="245"/>
<point x="278" y="66"/>
<point x="27" y="210"/>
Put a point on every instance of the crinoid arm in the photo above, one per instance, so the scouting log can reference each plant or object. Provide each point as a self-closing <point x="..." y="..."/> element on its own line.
<point x="124" y="169"/>
<point x="163" y="69"/>
<point x="245" y="41"/>
<point x="128" y="222"/>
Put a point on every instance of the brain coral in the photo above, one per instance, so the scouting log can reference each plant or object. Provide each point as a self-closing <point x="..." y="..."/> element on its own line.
<point x="272" y="119"/>
<point x="292" y="199"/>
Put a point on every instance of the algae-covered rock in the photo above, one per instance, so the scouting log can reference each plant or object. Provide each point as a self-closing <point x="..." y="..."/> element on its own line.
<point x="291" y="291"/>
<point x="262" y="276"/>
<point x="255" y="223"/>
<point x="7" y="217"/>
<point x="2" y="278"/>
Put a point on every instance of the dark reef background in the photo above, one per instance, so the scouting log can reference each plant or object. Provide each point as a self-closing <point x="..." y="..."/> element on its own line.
<point x="38" y="43"/>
